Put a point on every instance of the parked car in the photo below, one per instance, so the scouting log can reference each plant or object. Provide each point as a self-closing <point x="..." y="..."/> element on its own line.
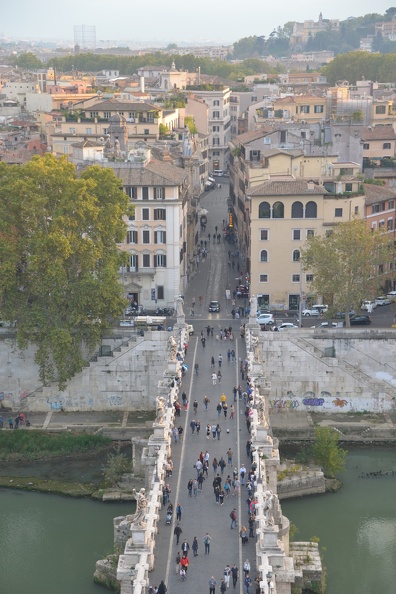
<point x="392" y="295"/>
<point x="190" y="329"/>
<point x="214" y="306"/>
<point x="321" y="307"/>
<point x="360" y="320"/>
<point x="340" y="315"/>
<point x="326" y="325"/>
<point x="311" y="312"/>
<point x="285" y="326"/>
<point x="383" y="300"/>
<point x="265" y="319"/>
<point x="368" y="305"/>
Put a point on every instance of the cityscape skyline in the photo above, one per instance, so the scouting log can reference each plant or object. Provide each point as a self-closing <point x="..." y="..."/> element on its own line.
<point x="212" y="24"/>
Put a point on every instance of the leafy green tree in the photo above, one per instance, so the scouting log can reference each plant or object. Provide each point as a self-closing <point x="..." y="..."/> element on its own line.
<point x="116" y="465"/>
<point x="27" y="61"/>
<point x="190" y="123"/>
<point x="345" y="264"/>
<point x="59" y="259"/>
<point x="326" y="451"/>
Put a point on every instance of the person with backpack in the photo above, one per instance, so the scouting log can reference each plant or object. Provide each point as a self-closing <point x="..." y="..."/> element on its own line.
<point x="233" y="517"/>
<point x="207" y="540"/>
<point x="177" y="561"/>
<point x="223" y="586"/>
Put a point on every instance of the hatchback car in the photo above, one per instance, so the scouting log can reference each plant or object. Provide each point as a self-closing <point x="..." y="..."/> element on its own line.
<point x="392" y="295"/>
<point x="214" y="306"/>
<point x="265" y="319"/>
<point x="311" y="312"/>
<point x="285" y="326"/>
<point x="326" y="325"/>
<point x="190" y="329"/>
<point x="360" y="320"/>
<point x="383" y="300"/>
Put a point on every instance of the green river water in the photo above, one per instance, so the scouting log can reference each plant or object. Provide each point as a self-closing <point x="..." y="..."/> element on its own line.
<point x="50" y="544"/>
<point x="357" y="525"/>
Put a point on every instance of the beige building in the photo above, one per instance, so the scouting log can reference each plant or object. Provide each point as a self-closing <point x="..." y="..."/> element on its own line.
<point x="301" y="108"/>
<point x="379" y="142"/>
<point x="283" y="213"/>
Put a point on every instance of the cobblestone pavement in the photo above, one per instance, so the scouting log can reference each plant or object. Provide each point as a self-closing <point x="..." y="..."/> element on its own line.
<point x="202" y="514"/>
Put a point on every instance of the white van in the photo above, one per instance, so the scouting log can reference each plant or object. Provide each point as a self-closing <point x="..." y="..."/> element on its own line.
<point x="218" y="172"/>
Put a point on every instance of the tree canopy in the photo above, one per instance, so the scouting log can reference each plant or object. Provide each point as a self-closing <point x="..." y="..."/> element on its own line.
<point x="327" y="452"/>
<point x="59" y="259"/>
<point x="346" y="263"/>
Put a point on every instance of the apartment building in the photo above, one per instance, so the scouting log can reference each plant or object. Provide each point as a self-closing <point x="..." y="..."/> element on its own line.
<point x="156" y="241"/>
<point x="211" y="112"/>
<point x="284" y="212"/>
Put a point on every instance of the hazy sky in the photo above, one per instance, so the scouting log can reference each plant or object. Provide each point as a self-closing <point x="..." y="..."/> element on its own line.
<point x="172" y="20"/>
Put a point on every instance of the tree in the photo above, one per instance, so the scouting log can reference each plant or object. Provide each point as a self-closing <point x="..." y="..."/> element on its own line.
<point x="27" y="61"/>
<point x="327" y="452"/>
<point x="59" y="259"/>
<point x="190" y="123"/>
<point x="345" y="264"/>
<point x="116" y="465"/>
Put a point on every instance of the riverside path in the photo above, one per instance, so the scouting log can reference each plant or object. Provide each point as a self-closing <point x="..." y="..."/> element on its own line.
<point x="202" y="514"/>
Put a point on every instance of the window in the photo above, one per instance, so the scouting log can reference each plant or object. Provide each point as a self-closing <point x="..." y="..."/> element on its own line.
<point x="283" y="136"/>
<point x="146" y="131"/>
<point x="310" y="233"/>
<point x="318" y="109"/>
<point x="329" y="232"/>
<point x="133" y="263"/>
<point x="145" y="193"/>
<point x="338" y="212"/>
<point x="297" y="211"/>
<point x="160" y="261"/>
<point x="304" y="109"/>
<point x="386" y="145"/>
<point x="391" y="204"/>
<point x="145" y="214"/>
<point x="159" y="193"/>
<point x="216" y="141"/>
<point x="264" y="234"/>
<point x="71" y="131"/>
<point x="348" y="187"/>
<point x="296" y="234"/>
<point x="263" y="278"/>
<point x="132" y="216"/>
<point x="263" y="256"/>
<point x="309" y="278"/>
<point x="295" y="278"/>
<point x="380" y="109"/>
<point x="296" y="255"/>
<point x="132" y="237"/>
<point x="264" y="210"/>
<point x="366" y="146"/>
<point x="146" y="236"/>
<point x="375" y="208"/>
<point x="278" y="210"/>
<point x="216" y="115"/>
<point x="131" y="191"/>
<point x="107" y="115"/>
<point x="215" y="128"/>
<point x="216" y="103"/>
<point x="160" y="292"/>
<point x="146" y="260"/>
<point x="381" y="224"/>
<point x="381" y="269"/>
<point x="159" y="214"/>
<point x="88" y="130"/>
<point x="159" y="236"/>
<point x="303" y="134"/>
<point x="356" y="210"/>
<point x="390" y="225"/>
<point x="311" y="210"/>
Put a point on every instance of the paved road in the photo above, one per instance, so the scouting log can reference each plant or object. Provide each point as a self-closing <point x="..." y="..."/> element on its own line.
<point x="203" y="514"/>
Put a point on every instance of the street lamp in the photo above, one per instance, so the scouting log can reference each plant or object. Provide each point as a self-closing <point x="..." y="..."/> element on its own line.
<point x="132" y="574"/>
<point x="269" y="582"/>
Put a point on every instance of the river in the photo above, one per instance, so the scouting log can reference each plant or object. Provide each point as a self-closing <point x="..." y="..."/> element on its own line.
<point x="50" y="544"/>
<point x="357" y="525"/>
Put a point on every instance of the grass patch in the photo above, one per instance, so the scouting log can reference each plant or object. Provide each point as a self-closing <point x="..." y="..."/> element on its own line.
<point x="37" y="445"/>
<point x="48" y="486"/>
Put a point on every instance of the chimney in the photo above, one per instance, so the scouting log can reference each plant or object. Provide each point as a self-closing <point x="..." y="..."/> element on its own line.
<point x="142" y="84"/>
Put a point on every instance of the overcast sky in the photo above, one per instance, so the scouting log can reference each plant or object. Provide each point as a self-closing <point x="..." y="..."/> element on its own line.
<point x="172" y="20"/>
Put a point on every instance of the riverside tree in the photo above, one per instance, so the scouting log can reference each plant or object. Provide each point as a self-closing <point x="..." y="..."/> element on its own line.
<point x="346" y="264"/>
<point x="326" y="451"/>
<point x="59" y="259"/>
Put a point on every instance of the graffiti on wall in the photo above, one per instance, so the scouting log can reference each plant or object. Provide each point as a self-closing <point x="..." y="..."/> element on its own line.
<point x="55" y="404"/>
<point x="115" y="400"/>
<point x="293" y="401"/>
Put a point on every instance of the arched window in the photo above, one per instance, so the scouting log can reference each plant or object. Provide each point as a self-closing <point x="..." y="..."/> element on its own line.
<point x="311" y="210"/>
<point x="264" y="210"/>
<point x="297" y="210"/>
<point x="263" y="256"/>
<point x="278" y="210"/>
<point x="296" y="255"/>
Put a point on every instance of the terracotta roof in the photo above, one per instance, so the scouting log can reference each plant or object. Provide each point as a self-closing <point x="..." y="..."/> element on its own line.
<point x="385" y="132"/>
<point x="375" y="193"/>
<point x="156" y="173"/>
<point x="286" y="188"/>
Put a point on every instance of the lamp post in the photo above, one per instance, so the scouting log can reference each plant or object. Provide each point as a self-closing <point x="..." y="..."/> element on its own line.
<point x="269" y="582"/>
<point x="132" y="574"/>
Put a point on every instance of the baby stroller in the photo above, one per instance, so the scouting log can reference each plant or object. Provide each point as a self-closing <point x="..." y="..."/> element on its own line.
<point x="183" y="574"/>
<point x="169" y="514"/>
